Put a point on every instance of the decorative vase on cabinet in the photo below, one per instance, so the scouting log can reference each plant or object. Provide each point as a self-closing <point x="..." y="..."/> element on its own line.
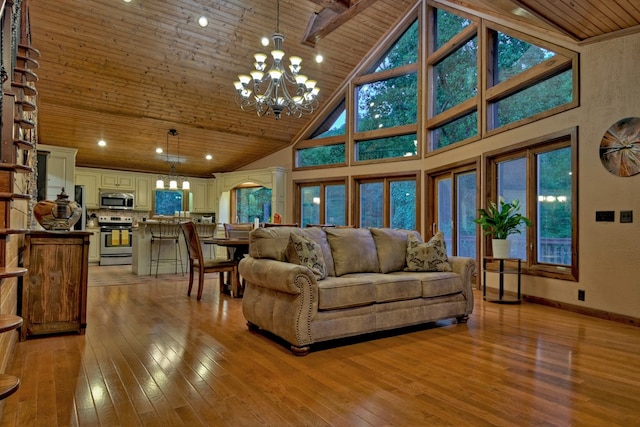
<point x="60" y="214"/>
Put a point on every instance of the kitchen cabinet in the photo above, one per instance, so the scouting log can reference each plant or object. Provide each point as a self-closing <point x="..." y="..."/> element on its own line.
<point x="61" y="164"/>
<point x="90" y="181"/>
<point x="143" y="192"/>
<point x="117" y="181"/>
<point x="94" y="245"/>
<point x="203" y="196"/>
<point x="54" y="290"/>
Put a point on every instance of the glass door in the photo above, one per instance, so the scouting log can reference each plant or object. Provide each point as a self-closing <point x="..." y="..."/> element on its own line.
<point x="455" y="203"/>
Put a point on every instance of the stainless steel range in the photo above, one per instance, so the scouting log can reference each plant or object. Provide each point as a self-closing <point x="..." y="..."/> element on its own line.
<point x="116" y="239"/>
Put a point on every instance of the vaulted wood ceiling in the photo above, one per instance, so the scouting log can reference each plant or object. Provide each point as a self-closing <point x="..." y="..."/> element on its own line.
<point x="129" y="72"/>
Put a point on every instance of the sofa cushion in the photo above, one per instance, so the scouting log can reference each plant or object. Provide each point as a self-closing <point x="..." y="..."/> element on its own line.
<point x="435" y="283"/>
<point x="270" y="242"/>
<point x="344" y="292"/>
<point x="303" y="251"/>
<point x="391" y="245"/>
<point x="318" y="235"/>
<point x="429" y="256"/>
<point x="353" y="250"/>
<point x="392" y="287"/>
<point x="440" y="284"/>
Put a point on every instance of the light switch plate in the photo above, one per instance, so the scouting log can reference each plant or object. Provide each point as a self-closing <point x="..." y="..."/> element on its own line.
<point x="605" y="216"/>
<point x="626" y="216"/>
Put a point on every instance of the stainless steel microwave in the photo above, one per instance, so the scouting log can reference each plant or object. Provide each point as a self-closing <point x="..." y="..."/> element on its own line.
<point x="112" y="200"/>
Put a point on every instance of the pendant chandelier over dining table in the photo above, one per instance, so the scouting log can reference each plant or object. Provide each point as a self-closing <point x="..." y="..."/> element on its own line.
<point x="172" y="178"/>
<point x="267" y="92"/>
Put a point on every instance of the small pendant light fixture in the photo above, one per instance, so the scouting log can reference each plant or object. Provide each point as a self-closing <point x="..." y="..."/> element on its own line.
<point x="172" y="179"/>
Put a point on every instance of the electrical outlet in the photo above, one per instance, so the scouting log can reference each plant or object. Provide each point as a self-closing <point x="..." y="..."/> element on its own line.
<point x="626" y="216"/>
<point x="605" y="216"/>
<point x="580" y="294"/>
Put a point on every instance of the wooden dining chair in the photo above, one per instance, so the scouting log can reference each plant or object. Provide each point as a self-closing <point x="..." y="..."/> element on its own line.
<point x="197" y="261"/>
<point x="238" y="231"/>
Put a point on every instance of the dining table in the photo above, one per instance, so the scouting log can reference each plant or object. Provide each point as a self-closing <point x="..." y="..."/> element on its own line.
<point x="239" y="247"/>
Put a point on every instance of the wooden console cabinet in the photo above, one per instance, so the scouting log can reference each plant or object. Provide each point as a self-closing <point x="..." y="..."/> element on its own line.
<point x="54" y="290"/>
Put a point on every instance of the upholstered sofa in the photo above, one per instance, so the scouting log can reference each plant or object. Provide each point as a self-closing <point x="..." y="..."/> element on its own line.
<point x="310" y="285"/>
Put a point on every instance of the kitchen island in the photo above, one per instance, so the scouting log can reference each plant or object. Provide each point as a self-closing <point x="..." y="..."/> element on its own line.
<point x="141" y="259"/>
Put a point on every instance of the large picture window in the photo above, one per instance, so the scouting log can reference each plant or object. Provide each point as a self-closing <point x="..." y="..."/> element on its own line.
<point x="321" y="203"/>
<point x="542" y="176"/>
<point x="251" y="203"/>
<point x="384" y="148"/>
<point x="326" y="145"/>
<point x="387" y="201"/>
<point x="387" y="103"/>
<point x="527" y="80"/>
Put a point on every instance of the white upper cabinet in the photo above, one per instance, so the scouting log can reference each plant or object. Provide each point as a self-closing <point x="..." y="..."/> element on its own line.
<point x="90" y="180"/>
<point x="117" y="181"/>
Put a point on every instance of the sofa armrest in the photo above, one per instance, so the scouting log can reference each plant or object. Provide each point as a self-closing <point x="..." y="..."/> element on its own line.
<point x="275" y="275"/>
<point x="280" y="297"/>
<point x="466" y="268"/>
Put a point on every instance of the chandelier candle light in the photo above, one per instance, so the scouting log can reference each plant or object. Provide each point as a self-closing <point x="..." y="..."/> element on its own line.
<point x="172" y="178"/>
<point x="267" y="93"/>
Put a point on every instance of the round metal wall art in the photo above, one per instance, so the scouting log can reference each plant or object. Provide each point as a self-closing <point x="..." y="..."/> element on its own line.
<point x="620" y="147"/>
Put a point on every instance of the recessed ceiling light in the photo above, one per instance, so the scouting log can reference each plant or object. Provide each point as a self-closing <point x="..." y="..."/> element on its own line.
<point x="319" y="58"/>
<point x="102" y="143"/>
<point x="264" y="41"/>
<point x="159" y="150"/>
<point x="203" y="21"/>
<point x="208" y="157"/>
<point x="127" y="1"/>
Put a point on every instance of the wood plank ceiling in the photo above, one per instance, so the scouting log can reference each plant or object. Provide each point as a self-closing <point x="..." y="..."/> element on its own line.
<point x="129" y="72"/>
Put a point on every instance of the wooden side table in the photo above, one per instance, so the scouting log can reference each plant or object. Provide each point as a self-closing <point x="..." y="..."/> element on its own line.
<point x="501" y="273"/>
<point x="54" y="289"/>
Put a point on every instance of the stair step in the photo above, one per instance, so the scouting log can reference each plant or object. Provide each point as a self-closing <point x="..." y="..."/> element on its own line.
<point x="24" y="144"/>
<point x="30" y="51"/>
<point x="6" y="272"/>
<point x="16" y="168"/>
<point x="9" y="322"/>
<point x="8" y="385"/>
<point x="29" y="75"/>
<point x="13" y="196"/>
<point x="26" y="105"/>
<point x="25" y="124"/>
<point x="28" y="62"/>
<point x="28" y="90"/>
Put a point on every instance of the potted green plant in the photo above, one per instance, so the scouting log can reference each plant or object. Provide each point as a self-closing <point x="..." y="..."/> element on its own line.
<point x="500" y="221"/>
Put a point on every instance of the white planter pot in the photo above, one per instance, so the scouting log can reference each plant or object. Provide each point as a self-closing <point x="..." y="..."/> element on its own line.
<point x="501" y="248"/>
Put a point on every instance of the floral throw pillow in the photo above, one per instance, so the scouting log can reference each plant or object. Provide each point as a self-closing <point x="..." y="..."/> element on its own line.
<point x="429" y="256"/>
<point x="303" y="251"/>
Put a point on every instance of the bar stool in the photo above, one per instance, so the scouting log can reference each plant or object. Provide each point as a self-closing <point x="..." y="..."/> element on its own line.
<point x="206" y="231"/>
<point x="164" y="232"/>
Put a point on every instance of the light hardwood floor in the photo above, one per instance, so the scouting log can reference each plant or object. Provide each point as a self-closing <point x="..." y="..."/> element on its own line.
<point x="154" y="357"/>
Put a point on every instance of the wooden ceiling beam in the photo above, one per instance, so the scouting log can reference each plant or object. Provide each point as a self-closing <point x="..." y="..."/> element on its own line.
<point x="338" y="6"/>
<point x="334" y="14"/>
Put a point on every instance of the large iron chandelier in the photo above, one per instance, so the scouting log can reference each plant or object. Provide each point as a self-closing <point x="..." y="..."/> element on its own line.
<point x="172" y="179"/>
<point x="266" y="92"/>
